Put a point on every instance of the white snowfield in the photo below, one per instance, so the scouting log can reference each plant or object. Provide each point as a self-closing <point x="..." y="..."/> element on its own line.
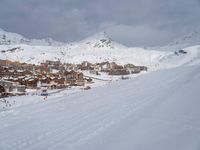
<point x="155" y="111"/>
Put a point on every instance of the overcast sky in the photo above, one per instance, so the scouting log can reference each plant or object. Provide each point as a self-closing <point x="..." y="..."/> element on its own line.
<point x="131" y="22"/>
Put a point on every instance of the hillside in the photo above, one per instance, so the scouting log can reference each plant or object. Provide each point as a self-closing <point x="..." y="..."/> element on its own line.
<point x="188" y="40"/>
<point x="99" y="48"/>
<point x="8" y="38"/>
<point x="123" y="115"/>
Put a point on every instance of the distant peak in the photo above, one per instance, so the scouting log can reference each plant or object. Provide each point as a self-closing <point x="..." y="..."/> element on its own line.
<point x="102" y="35"/>
<point x="9" y="38"/>
<point x="98" y="36"/>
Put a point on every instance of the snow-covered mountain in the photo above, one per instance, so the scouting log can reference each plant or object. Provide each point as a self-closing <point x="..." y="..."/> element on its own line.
<point x="100" y="48"/>
<point x="97" y="48"/>
<point x="191" y="39"/>
<point x="8" y="38"/>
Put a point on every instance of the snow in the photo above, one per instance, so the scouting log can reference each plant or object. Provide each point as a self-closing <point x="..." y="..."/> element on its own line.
<point x="98" y="48"/>
<point x="33" y="96"/>
<point x="187" y="40"/>
<point x="154" y="59"/>
<point x="153" y="110"/>
<point x="159" y="110"/>
<point x="8" y="38"/>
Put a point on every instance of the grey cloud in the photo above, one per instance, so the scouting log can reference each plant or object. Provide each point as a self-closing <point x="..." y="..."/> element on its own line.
<point x="132" y="22"/>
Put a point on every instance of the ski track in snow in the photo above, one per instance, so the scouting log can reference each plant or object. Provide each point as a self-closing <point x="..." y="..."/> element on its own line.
<point x="143" y="113"/>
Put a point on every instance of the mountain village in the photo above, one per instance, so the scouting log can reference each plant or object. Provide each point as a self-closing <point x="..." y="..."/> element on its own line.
<point x="16" y="78"/>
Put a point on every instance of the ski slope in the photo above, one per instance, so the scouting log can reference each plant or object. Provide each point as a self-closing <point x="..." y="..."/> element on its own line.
<point x="154" y="111"/>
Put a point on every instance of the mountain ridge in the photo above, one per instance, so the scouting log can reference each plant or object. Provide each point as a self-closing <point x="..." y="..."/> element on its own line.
<point x="187" y="40"/>
<point x="9" y="38"/>
<point x="101" y="48"/>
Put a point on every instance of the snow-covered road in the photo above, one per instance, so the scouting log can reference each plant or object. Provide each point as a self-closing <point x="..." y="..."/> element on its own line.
<point x="154" y="111"/>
